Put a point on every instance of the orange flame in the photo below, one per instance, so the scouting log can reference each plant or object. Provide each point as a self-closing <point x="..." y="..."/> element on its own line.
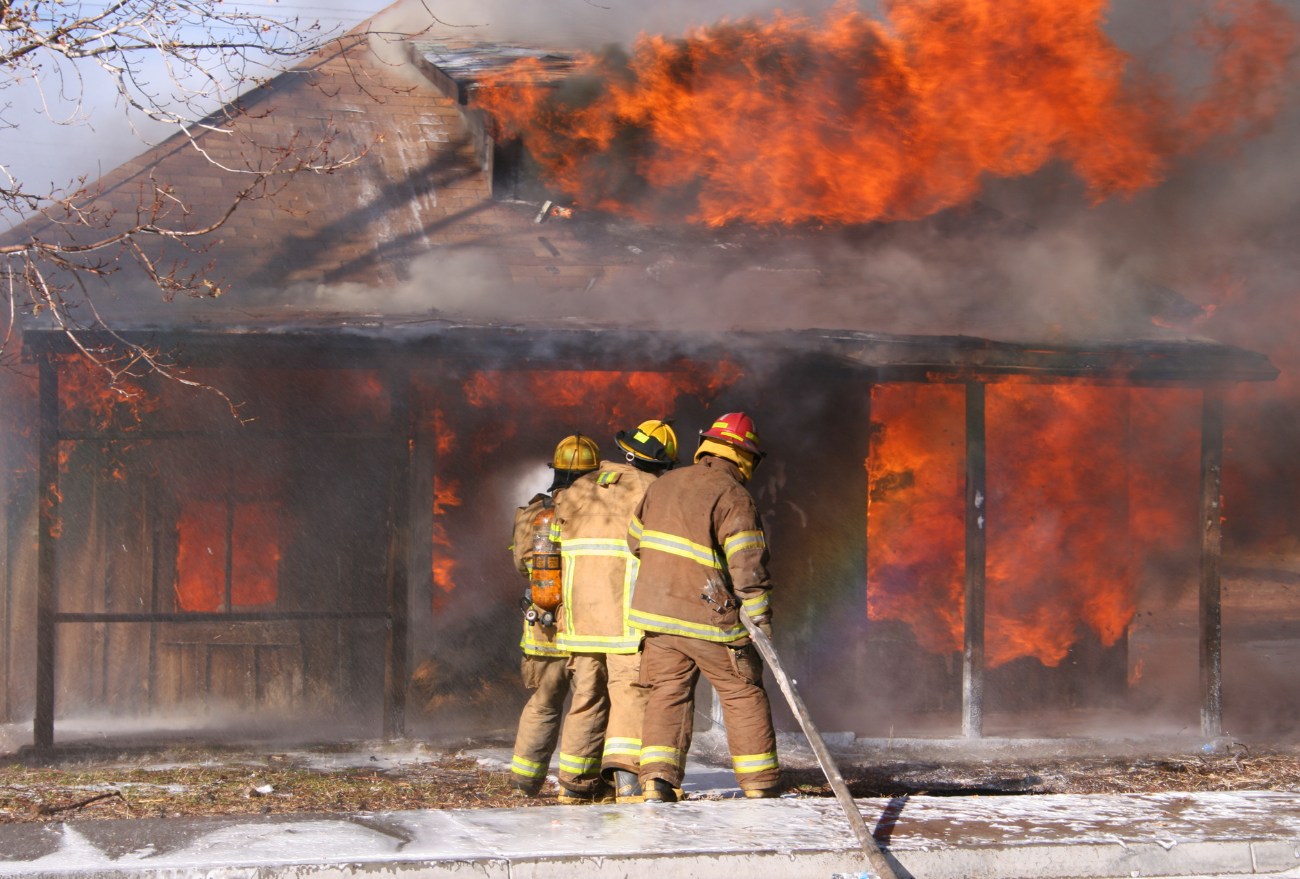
<point x="445" y="437"/>
<point x="202" y="549"/>
<point x="445" y="494"/>
<point x="606" y="399"/>
<point x="851" y="120"/>
<point x="1084" y="484"/>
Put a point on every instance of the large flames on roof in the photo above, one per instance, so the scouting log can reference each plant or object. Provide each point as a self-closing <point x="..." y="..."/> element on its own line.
<point x="851" y="120"/>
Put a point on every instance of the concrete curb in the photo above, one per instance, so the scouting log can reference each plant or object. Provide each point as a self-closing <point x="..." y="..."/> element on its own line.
<point x="1262" y="857"/>
<point x="1042" y="837"/>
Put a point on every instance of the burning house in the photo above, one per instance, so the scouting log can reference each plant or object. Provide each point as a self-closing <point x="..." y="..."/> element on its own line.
<point x="968" y="505"/>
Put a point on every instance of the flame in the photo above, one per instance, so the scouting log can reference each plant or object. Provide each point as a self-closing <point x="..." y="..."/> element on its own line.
<point x="1085" y="484"/>
<point x="445" y="437"/>
<point x="445" y="494"/>
<point x="849" y="120"/>
<point x="595" y="399"/>
<point x="89" y="401"/>
<point x="1136" y="674"/>
<point x="202" y="548"/>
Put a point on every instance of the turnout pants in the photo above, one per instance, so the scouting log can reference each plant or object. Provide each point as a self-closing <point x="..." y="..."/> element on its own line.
<point x="602" y="731"/>
<point x="539" y="724"/>
<point x="671" y="665"/>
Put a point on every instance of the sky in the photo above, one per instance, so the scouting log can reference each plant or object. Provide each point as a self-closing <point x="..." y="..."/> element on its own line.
<point x="41" y="153"/>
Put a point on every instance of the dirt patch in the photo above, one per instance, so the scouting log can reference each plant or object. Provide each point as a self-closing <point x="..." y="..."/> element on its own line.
<point x="1274" y="772"/>
<point x="233" y="787"/>
<point x="203" y="783"/>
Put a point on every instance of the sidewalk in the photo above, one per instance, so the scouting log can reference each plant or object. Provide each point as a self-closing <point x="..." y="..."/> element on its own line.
<point x="1016" y="837"/>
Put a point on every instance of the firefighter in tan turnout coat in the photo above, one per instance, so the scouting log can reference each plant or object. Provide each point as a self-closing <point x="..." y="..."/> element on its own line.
<point x="601" y="740"/>
<point x="703" y="556"/>
<point x="545" y="667"/>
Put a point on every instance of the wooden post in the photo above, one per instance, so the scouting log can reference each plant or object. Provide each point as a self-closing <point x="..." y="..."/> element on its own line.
<point x="399" y="526"/>
<point x="866" y="506"/>
<point x="46" y="537"/>
<point x="1211" y="547"/>
<point x="972" y="663"/>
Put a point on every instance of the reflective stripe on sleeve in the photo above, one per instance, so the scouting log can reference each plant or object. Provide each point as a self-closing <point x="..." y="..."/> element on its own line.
<point x="578" y="765"/>
<point x="680" y="546"/>
<point x="623" y="748"/>
<point x="758" y="605"/>
<point x="742" y="541"/>
<point x="657" y="754"/>
<point x="635" y="528"/>
<point x="526" y="768"/>
<point x="754" y="762"/>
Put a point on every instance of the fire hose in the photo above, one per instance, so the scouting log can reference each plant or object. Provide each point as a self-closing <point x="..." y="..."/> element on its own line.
<point x="878" y="867"/>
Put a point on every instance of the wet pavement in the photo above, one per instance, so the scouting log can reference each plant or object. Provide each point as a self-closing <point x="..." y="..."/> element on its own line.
<point x="1206" y="834"/>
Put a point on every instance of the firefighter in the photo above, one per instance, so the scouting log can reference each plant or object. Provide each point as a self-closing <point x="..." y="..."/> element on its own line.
<point x="545" y="664"/>
<point x="601" y="742"/>
<point x="703" y="556"/>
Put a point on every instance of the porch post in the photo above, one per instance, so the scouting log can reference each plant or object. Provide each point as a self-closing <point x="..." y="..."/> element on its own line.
<point x="972" y="663"/>
<point x="46" y="537"/>
<point x="399" y="527"/>
<point x="1211" y="550"/>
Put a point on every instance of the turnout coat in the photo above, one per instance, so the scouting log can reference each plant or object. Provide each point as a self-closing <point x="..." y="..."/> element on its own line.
<point x="702" y="553"/>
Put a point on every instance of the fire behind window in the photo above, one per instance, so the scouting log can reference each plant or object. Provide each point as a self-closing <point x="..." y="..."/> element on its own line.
<point x="228" y="555"/>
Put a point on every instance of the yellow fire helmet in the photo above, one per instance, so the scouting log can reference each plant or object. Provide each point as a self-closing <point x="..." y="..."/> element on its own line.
<point x="653" y="441"/>
<point x="577" y="452"/>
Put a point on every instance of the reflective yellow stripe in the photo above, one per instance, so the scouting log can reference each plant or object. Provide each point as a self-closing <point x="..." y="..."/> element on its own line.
<point x="759" y="605"/>
<point x="742" y="541"/>
<point x="578" y="765"/>
<point x="754" y="762"/>
<point x="629" y="641"/>
<point x="530" y="645"/>
<point x="680" y="546"/>
<point x="527" y="768"/>
<point x="623" y="748"/>
<point x="608" y="546"/>
<point x="635" y="528"/>
<point x="608" y="478"/>
<point x="556" y="533"/>
<point x="657" y="754"/>
<point x="654" y="623"/>
<point x="602" y="643"/>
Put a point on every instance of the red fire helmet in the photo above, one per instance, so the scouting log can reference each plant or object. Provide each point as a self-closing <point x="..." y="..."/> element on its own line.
<point x="737" y="429"/>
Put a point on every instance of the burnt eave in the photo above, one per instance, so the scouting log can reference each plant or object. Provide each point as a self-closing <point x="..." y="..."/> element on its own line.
<point x="359" y="343"/>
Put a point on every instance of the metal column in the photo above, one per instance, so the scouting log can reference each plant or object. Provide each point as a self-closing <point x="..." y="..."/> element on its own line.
<point x="1211" y="545"/>
<point x="399" y="527"/>
<point x="46" y="537"/>
<point x="972" y="663"/>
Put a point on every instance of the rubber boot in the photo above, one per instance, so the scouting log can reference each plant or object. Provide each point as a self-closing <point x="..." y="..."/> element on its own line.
<point x="660" y="791"/>
<point x="627" y="787"/>
<point x="576" y="798"/>
<point x="599" y="794"/>
<point x="521" y="788"/>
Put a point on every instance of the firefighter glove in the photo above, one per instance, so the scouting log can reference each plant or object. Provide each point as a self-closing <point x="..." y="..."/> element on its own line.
<point x="764" y="623"/>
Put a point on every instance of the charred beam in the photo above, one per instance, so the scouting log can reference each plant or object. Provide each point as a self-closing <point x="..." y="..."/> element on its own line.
<point x="972" y="664"/>
<point x="1211" y="553"/>
<point x="47" y="533"/>
<point x="399" y="542"/>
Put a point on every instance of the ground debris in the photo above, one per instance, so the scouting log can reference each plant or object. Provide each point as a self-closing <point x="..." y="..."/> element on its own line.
<point x="1233" y="772"/>
<point x="192" y="785"/>
<point x="241" y="783"/>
